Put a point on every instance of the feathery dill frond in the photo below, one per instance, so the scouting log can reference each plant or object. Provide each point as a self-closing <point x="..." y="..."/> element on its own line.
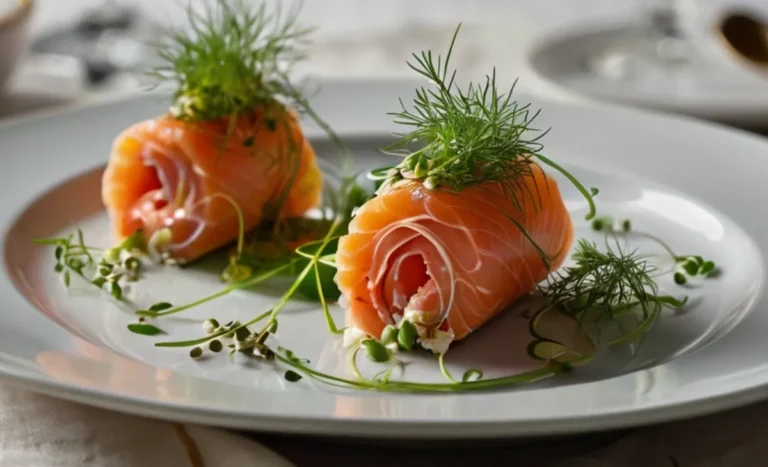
<point x="468" y="137"/>
<point x="606" y="286"/>
<point x="232" y="59"/>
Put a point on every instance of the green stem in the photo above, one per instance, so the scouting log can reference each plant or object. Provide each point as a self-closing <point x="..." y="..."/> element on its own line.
<point x="205" y="339"/>
<point x="328" y="318"/>
<point x="407" y="386"/>
<point x="235" y="286"/>
<point x="444" y="370"/>
<point x="587" y="195"/>
<point x="300" y="278"/>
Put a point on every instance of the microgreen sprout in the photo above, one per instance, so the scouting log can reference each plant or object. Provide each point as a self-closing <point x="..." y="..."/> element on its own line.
<point x="119" y="264"/>
<point x="686" y="267"/>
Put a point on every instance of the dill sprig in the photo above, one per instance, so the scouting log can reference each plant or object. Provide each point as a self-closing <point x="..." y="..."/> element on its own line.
<point x="606" y="286"/>
<point x="467" y="137"/>
<point x="231" y="60"/>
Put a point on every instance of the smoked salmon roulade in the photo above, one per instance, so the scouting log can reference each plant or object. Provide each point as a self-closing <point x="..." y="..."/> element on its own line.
<point x="173" y="181"/>
<point x="449" y="261"/>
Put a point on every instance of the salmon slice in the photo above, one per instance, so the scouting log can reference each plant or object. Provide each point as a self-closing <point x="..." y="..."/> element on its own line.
<point x="166" y="173"/>
<point x="449" y="261"/>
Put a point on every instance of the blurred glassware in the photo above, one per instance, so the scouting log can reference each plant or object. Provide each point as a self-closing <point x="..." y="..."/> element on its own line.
<point x="109" y="39"/>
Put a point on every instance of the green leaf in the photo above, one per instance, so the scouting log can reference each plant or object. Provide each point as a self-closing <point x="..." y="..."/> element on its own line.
<point x="407" y="335"/>
<point x="135" y="241"/>
<point x="75" y="263"/>
<point x="707" y="268"/>
<point x="389" y="335"/>
<point x="160" y="306"/>
<point x="376" y="351"/>
<point x="99" y="281"/>
<point x="546" y="350"/>
<point x="145" y="329"/>
<point x="116" y="291"/>
<point x="291" y="376"/>
<point x="66" y="278"/>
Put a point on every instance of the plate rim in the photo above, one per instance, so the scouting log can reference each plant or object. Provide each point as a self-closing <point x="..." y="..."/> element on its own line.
<point x="373" y="428"/>
<point x="745" y="112"/>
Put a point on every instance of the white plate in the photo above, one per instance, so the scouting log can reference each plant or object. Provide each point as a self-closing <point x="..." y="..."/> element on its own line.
<point x="716" y="87"/>
<point x="700" y="186"/>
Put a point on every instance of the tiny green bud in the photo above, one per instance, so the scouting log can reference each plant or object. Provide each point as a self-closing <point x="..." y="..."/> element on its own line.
<point x="291" y="376"/>
<point x="132" y="264"/>
<point x="215" y="346"/>
<point x="376" y="351"/>
<point x="411" y="162"/>
<point x="389" y="335"/>
<point x="420" y="170"/>
<point x="680" y="278"/>
<point x="407" y="335"/>
<point x="59" y="267"/>
<point x="210" y="326"/>
<point x="242" y="334"/>
<point x="196" y="352"/>
<point x="626" y="225"/>
<point x="690" y="267"/>
<point x="66" y="278"/>
<point x="59" y="251"/>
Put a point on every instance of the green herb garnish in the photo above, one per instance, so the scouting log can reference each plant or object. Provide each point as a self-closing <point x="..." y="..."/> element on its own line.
<point x="607" y="286"/>
<point x="468" y="138"/>
<point x="234" y="59"/>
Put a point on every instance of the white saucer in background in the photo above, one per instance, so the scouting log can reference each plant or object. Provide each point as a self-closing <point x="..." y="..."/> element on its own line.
<point x="711" y="88"/>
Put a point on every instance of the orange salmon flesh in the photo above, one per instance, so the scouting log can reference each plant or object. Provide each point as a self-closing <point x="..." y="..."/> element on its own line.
<point x="166" y="173"/>
<point x="456" y="259"/>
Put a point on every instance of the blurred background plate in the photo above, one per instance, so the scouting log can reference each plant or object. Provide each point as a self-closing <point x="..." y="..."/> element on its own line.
<point x="656" y="59"/>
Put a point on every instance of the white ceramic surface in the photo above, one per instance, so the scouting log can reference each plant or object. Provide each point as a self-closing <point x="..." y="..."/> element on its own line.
<point x="715" y="87"/>
<point x="694" y="184"/>
<point x="14" y="36"/>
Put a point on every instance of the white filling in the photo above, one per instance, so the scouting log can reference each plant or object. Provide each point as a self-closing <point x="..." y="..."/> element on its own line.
<point x="439" y="342"/>
<point x="353" y="337"/>
<point x="415" y="316"/>
<point x="436" y="341"/>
